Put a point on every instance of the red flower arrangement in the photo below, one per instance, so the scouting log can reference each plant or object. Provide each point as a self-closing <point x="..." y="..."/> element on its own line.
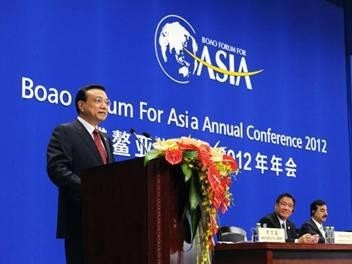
<point x="208" y="171"/>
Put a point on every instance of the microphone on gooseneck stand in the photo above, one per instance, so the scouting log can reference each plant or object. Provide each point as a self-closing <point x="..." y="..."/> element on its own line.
<point x="133" y="131"/>
<point x="147" y="135"/>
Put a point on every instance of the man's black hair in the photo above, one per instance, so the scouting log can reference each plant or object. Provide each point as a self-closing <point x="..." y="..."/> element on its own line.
<point x="314" y="206"/>
<point x="82" y="96"/>
<point x="285" y="195"/>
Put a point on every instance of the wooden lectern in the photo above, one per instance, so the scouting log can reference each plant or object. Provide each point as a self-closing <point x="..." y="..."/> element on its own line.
<point x="132" y="214"/>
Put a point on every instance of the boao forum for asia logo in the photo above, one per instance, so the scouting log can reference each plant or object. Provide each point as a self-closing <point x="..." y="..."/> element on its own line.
<point x="181" y="55"/>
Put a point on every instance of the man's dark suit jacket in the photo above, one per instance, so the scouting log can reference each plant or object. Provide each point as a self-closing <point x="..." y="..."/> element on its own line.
<point x="71" y="149"/>
<point x="272" y="221"/>
<point x="311" y="228"/>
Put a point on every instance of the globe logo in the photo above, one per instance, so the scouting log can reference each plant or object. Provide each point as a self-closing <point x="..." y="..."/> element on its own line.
<point x="173" y="36"/>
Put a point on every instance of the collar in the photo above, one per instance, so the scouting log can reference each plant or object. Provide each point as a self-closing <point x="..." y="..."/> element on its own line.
<point x="320" y="226"/>
<point x="87" y="126"/>
<point x="281" y="221"/>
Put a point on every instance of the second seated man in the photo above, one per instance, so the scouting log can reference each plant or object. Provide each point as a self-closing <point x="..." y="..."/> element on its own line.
<point x="319" y="213"/>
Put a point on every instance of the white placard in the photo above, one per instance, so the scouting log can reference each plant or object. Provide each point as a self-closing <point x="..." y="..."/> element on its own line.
<point x="343" y="237"/>
<point x="271" y="234"/>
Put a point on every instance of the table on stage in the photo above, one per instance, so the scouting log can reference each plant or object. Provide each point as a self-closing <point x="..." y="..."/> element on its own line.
<point x="282" y="253"/>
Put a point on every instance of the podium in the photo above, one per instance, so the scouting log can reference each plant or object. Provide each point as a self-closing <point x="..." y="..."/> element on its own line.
<point x="133" y="214"/>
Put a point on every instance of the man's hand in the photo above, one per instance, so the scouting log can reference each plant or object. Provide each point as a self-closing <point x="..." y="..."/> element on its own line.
<point x="308" y="239"/>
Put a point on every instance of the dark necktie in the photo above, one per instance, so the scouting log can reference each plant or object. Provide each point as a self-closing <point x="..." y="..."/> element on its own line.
<point x="283" y="226"/>
<point x="99" y="145"/>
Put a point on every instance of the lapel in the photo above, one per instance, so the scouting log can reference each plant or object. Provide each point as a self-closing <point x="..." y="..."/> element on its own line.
<point x="276" y="220"/>
<point x="87" y="139"/>
<point x="289" y="228"/>
<point x="315" y="227"/>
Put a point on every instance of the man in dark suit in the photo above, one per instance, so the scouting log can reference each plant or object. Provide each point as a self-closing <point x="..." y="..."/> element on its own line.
<point x="75" y="146"/>
<point x="284" y="207"/>
<point x="319" y="213"/>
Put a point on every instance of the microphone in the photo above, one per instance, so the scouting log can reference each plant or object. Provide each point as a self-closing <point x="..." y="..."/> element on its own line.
<point x="133" y="131"/>
<point x="147" y="135"/>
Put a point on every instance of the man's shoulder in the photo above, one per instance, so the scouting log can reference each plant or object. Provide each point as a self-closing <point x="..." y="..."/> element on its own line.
<point x="268" y="219"/>
<point x="67" y="129"/>
<point x="68" y="125"/>
<point x="269" y="216"/>
<point x="308" y="223"/>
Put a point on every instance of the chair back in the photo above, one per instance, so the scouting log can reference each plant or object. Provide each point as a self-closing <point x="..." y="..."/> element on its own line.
<point x="232" y="234"/>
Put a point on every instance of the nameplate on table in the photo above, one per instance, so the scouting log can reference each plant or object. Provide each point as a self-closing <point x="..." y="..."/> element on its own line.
<point x="271" y="234"/>
<point x="343" y="237"/>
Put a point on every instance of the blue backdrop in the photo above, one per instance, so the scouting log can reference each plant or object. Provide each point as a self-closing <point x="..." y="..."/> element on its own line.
<point x="285" y="120"/>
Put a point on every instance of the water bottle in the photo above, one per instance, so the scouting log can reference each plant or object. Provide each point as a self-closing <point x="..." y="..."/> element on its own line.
<point x="254" y="231"/>
<point x="332" y="235"/>
<point x="253" y="234"/>
<point x="327" y="234"/>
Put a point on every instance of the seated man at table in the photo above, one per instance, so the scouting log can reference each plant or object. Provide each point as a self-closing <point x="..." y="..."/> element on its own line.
<point x="284" y="207"/>
<point x="319" y="213"/>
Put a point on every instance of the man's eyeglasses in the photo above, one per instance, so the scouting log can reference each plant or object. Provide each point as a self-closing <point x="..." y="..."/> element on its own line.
<point x="100" y="100"/>
<point x="290" y="205"/>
